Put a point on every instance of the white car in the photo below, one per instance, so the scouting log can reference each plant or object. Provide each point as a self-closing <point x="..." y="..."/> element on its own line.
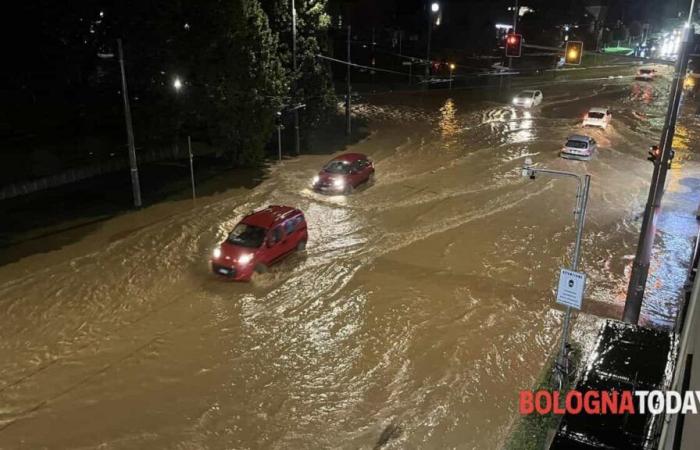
<point x="579" y="146"/>
<point x="646" y="74"/>
<point x="597" y="117"/>
<point x="528" y="99"/>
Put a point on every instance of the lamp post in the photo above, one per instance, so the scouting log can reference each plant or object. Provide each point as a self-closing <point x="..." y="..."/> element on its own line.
<point x="434" y="9"/>
<point x="452" y="68"/>
<point x="135" y="185"/>
<point x="584" y="182"/>
<point x="178" y="85"/>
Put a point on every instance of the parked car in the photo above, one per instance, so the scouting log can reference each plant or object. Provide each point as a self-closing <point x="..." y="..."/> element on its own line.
<point x="597" y="117"/>
<point x="528" y="99"/>
<point x="259" y="240"/>
<point x="343" y="174"/>
<point x="646" y="74"/>
<point x="579" y="147"/>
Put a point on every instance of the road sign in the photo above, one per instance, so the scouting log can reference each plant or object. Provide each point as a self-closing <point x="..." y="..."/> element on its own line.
<point x="571" y="286"/>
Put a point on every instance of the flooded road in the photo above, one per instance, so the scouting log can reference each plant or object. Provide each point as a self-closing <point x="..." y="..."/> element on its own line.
<point x="422" y="305"/>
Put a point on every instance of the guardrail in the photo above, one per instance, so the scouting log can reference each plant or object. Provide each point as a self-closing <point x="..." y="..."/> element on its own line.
<point x="82" y="173"/>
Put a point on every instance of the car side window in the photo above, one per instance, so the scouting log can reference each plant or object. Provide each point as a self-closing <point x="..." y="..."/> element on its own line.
<point x="276" y="235"/>
<point x="290" y="226"/>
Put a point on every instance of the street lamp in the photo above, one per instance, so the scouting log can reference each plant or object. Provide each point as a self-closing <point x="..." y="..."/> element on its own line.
<point x="177" y="85"/>
<point x="452" y="68"/>
<point x="584" y="181"/>
<point x="434" y="8"/>
<point x="135" y="186"/>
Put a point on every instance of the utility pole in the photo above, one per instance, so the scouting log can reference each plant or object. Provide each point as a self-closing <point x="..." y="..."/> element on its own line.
<point x="135" y="186"/>
<point x="189" y="147"/>
<point x="640" y="267"/>
<point x="372" y="63"/>
<point x="348" y="90"/>
<point x="427" y="53"/>
<point x="294" y="83"/>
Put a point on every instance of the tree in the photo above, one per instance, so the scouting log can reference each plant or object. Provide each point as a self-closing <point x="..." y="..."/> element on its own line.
<point x="225" y="53"/>
<point x="312" y="82"/>
<point x="237" y="78"/>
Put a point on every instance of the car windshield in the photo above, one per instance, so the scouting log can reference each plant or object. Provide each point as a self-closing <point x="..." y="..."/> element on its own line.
<point x="525" y="95"/>
<point x="596" y="115"/>
<point x="576" y="144"/>
<point x="337" y="167"/>
<point x="645" y="71"/>
<point x="247" y="236"/>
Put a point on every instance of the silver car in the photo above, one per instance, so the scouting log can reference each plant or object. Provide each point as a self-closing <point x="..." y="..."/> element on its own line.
<point x="528" y="99"/>
<point x="578" y="146"/>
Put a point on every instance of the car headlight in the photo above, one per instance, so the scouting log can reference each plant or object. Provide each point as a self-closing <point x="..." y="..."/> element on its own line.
<point x="216" y="253"/>
<point x="515" y="100"/>
<point x="315" y="180"/>
<point x="339" y="183"/>
<point x="245" y="259"/>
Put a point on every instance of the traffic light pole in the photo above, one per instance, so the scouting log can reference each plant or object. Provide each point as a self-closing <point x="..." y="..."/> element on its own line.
<point x="640" y="267"/>
<point x="515" y="30"/>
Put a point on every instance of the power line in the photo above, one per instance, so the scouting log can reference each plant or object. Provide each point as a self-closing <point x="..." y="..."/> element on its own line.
<point x="340" y="61"/>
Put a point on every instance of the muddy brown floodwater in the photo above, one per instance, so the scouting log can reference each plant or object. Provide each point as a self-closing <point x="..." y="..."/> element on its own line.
<point x="421" y="306"/>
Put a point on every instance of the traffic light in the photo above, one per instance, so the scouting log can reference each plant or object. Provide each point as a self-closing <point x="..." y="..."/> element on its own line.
<point x="514" y="44"/>
<point x="574" y="52"/>
<point x="278" y="118"/>
<point x="654" y="153"/>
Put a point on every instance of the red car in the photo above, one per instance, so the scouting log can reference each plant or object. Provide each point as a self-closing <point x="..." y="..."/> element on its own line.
<point x="344" y="173"/>
<point x="260" y="240"/>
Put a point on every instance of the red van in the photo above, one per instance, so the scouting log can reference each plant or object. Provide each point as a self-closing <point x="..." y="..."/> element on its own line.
<point x="260" y="240"/>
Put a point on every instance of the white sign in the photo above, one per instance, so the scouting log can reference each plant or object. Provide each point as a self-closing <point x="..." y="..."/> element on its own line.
<point x="571" y="286"/>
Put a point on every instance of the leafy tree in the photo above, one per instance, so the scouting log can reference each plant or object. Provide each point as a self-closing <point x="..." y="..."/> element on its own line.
<point x="225" y="54"/>
<point x="237" y="80"/>
<point x="312" y="82"/>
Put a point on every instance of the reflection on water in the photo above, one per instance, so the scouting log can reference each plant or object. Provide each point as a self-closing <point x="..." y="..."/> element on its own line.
<point x="448" y="122"/>
<point x="521" y="128"/>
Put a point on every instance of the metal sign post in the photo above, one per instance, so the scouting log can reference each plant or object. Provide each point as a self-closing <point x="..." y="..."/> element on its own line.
<point x="189" y="147"/>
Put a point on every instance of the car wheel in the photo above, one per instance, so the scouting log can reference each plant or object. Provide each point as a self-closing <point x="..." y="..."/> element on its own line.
<point x="261" y="268"/>
<point x="301" y="246"/>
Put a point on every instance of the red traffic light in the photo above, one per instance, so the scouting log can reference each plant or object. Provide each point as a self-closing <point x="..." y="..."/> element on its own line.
<point x="514" y="45"/>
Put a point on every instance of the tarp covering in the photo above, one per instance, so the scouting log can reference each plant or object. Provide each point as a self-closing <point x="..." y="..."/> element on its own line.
<point x="625" y="357"/>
